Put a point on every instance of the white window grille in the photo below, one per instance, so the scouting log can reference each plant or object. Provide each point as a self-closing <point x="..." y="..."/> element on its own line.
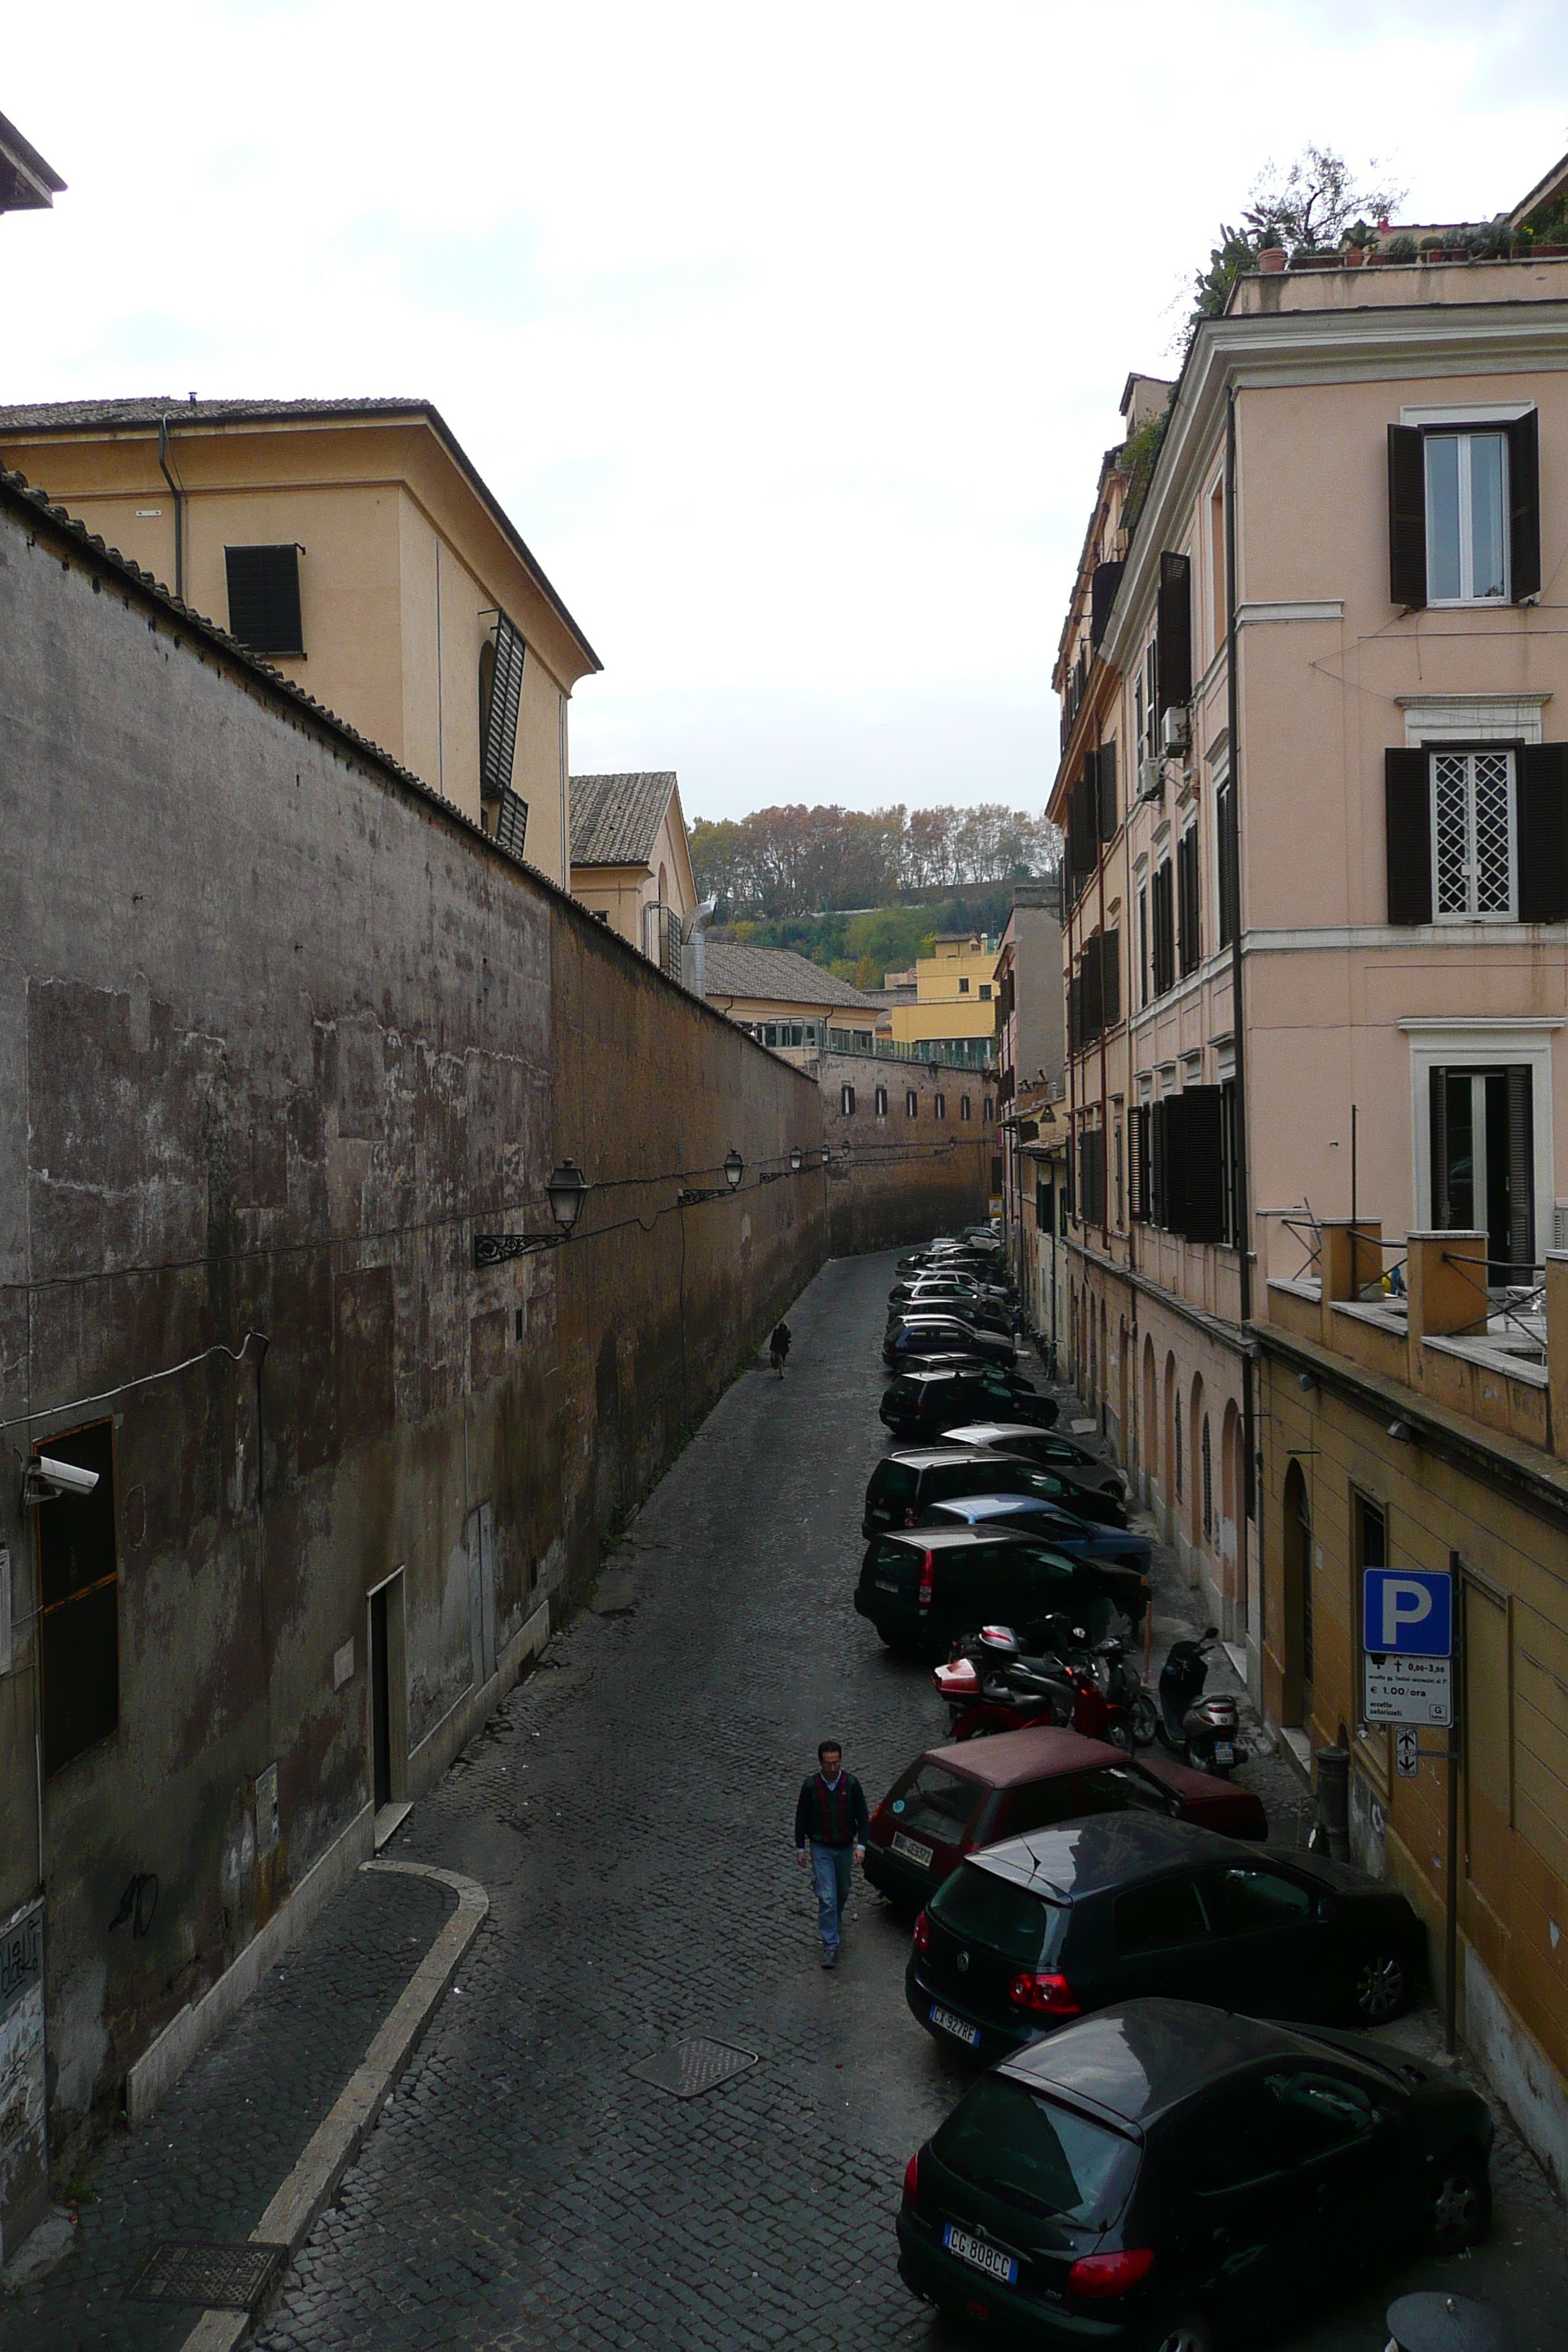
<point x="1466" y="518"/>
<point x="1473" y="850"/>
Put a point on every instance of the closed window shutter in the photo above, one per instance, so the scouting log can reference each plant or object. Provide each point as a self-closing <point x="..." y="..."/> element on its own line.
<point x="1156" y="1185"/>
<point x="1406" y="517"/>
<point x="1224" y="859"/>
<point x="1203" y="1123"/>
<point x="1071" y="1186"/>
<point x="1164" y="942"/>
<point x="1438" y="1114"/>
<point x="1407" y="824"/>
<point x="1524" y="507"/>
<point x="1541" y="831"/>
<point x="497" y="747"/>
<point x="1176" y="631"/>
<point x="1111" y="978"/>
<point x="1521" y="1172"/>
<point x="264" y="598"/>
<point x="1105" y="777"/>
<point x="1188" y="901"/>
<point x="1176" y="1163"/>
<point x="1103" y="588"/>
<point x="1093" y="1011"/>
<point x="1075" y="1013"/>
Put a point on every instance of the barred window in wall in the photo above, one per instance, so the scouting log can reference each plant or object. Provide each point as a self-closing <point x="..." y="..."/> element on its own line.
<point x="963" y="1107"/>
<point x="1473" y="861"/>
<point x="985" y="1110"/>
<point x="912" y="1104"/>
<point x="1208" y="1483"/>
<point x="847" y="1101"/>
<point x="939" y="1105"/>
<point x="882" y="1102"/>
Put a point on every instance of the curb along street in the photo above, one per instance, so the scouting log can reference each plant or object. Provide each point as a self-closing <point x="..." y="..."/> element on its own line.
<point x="310" y="2188"/>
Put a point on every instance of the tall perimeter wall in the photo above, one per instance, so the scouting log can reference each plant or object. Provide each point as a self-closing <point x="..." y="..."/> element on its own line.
<point x="280" y="1033"/>
<point x="895" y="1179"/>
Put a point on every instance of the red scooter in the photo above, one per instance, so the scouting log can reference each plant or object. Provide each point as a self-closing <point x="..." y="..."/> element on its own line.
<point x="989" y="1686"/>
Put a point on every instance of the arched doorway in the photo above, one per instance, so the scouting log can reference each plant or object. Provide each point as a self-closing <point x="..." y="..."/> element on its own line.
<point x="1151" y="1430"/>
<point x="1230" y="1505"/>
<point x="1200" y="1489"/>
<point x="1296" y="1598"/>
<point x="1172" y="1492"/>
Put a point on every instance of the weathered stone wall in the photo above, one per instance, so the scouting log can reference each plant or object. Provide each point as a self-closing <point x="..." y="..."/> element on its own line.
<point x="893" y="1179"/>
<point x="279" y="1031"/>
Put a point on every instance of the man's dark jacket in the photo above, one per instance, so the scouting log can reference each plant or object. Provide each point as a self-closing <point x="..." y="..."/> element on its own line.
<point x="825" y="1816"/>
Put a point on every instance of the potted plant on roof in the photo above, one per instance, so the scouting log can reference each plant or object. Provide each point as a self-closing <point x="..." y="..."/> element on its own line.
<point x="1271" y="254"/>
<point x="1358" y="242"/>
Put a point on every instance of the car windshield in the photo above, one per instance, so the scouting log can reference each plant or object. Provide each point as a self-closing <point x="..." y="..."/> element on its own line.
<point x="1045" y="2158"/>
<point x="895" y="1483"/>
<point x="1000" y="1915"/>
<point x="933" y="1802"/>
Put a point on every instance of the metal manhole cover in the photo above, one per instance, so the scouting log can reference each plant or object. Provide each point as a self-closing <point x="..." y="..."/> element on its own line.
<point x="689" y="2068"/>
<point x="210" y="2277"/>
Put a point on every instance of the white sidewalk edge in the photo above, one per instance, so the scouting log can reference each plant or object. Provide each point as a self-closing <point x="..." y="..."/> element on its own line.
<point x="335" y="2143"/>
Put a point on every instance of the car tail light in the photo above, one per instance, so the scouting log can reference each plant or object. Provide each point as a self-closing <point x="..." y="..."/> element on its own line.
<point x="923" y="1933"/>
<point x="1106" y="2274"/>
<point x="1044" y="1992"/>
<point x="928" y="1577"/>
<point x="913" y="2177"/>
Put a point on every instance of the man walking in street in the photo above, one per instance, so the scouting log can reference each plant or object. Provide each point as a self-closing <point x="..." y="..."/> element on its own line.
<point x="830" y="1825"/>
<point x="778" y="1346"/>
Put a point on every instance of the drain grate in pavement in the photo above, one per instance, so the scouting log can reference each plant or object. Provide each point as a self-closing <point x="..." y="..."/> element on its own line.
<point x="232" y="2277"/>
<point x="689" y="2068"/>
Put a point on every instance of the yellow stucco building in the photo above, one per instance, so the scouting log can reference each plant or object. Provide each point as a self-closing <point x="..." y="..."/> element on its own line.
<point x="953" y="1004"/>
<point x="354" y="545"/>
<point x="631" y="864"/>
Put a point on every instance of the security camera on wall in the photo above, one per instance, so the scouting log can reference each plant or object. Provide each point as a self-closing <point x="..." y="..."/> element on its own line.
<point x="46" y="1480"/>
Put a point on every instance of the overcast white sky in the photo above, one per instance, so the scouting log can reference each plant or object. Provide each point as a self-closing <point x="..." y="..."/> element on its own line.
<point x="791" y="337"/>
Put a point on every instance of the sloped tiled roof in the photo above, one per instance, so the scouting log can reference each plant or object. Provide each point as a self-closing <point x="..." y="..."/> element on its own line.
<point x="776" y="975"/>
<point x="145" y="413"/>
<point x="615" y="819"/>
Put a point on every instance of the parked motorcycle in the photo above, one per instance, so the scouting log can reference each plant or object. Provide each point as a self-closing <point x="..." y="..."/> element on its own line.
<point x="990" y="1685"/>
<point x="1202" y="1729"/>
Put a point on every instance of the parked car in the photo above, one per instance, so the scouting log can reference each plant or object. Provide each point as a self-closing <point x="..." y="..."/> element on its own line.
<point x="916" y="1337"/>
<point x="949" y="1285"/>
<point x="1036" y="1441"/>
<point x="1043" y="1927"/>
<point x="903" y="1486"/>
<point x="956" y="1798"/>
<point x="1164" y="2167"/>
<point x="983" y="1264"/>
<point x="986" y="1314"/>
<point x="922" y="1587"/>
<point x="921" y="1405"/>
<point x="1052" y="1521"/>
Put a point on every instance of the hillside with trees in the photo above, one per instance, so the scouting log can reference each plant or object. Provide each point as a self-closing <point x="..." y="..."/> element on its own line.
<point x="796" y="861"/>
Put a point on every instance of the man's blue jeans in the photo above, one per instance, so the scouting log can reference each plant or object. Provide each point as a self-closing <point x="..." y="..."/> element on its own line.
<point x="830" y="1868"/>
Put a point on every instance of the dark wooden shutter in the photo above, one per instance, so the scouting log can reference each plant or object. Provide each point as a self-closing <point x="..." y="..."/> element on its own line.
<point x="1137" y="1162"/>
<point x="1437" y="1124"/>
<point x="264" y="598"/>
<point x="1176" y="1162"/>
<point x="1224" y="859"/>
<point x="1165" y="929"/>
<point x="1105" y="779"/>
<point x="1188" y="901"/>
<point x="1176" y="632"/>
<point x="1075" y="1013"/>
<point x="1524" y="507"/>
<point x="1408" y="826"/>
<point x="1204" y="1129"/>
<point x="1406" y="517"/>
<point x="1521" y="1172"/>
<point x="1156" y="1183"/>
<point x="1541" y="831"/>
<point x="1069" y="1188"/>
<point x="1103" y="588"/>
<point x="1111" y="978"/>
<point x="497" y="746"/>
<point x="1093" y="1011"/>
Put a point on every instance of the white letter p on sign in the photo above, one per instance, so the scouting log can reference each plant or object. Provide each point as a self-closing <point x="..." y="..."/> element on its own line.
<point x="1404" y="1602"/>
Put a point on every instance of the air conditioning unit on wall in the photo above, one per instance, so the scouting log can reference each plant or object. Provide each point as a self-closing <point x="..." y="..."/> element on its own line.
<point x="1151" y="780"/>
<point x="1173" y="730"/>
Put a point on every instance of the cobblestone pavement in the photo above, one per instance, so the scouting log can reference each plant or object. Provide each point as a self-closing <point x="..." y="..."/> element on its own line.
<point x="207" y="2165"/>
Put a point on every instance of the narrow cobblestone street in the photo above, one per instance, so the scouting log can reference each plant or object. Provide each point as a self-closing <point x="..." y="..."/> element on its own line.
<point x="628" y="1811"/>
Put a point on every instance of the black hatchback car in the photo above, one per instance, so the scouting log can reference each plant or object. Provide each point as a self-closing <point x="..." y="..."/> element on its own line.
<point x="922" y="1587"/>
<point x="1043" y="1927"/>
<point x="903" y="1486"/>
<point x="921" y="1405"/>
<point x="1164" y="2167"/>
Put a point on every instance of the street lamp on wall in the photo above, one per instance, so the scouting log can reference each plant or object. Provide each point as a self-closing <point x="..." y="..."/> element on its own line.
<point x="690" y="1195"/>
<point x="734" y="1168"/>
<point x="796" y="1156"/>
<point x="566" y="1191"/>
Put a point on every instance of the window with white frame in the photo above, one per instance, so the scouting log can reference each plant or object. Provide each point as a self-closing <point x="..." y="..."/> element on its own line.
<point x="912" y="1104"/>
<point x="1466" y="518"/>
<point x="1474" y="860"/>
<point x="882" y="1102"/>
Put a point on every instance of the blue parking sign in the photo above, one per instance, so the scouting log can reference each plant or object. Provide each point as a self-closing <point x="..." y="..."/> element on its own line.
<point x="1407" y="1612"/>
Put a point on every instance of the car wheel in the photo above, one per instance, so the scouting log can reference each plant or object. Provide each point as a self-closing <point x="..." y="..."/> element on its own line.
<point x="1188" y="2334"/>
<point x="1460" y="2204"/>
<point x="1379" y="1989"/>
